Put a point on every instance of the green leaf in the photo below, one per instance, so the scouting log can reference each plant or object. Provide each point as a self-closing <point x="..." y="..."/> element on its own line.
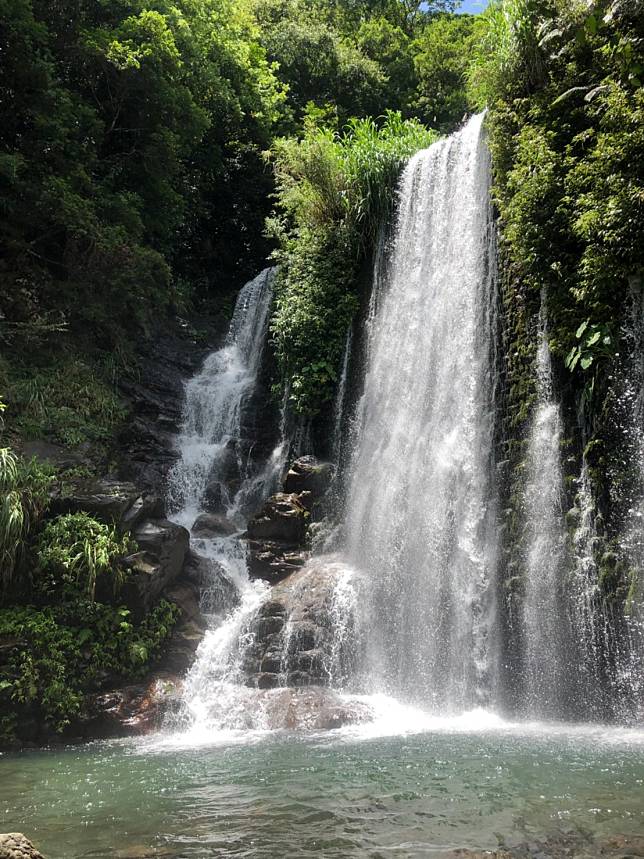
<point x="84" y="635"/>
<point x="586" y="362"/>
<point x="581" y="329"/>
<point x="593" y="339"/>
<point x="572" y="358"/>
<point x="592" y="24"/>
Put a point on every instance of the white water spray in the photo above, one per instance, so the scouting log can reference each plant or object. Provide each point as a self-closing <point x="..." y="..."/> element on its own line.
<point x="421" y="505"/>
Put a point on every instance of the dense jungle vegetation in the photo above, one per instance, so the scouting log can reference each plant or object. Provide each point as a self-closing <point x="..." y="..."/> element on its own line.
<point x="153" y="155"/>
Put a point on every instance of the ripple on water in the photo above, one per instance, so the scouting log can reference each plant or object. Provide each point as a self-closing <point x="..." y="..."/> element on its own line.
<point x="359" y="791"/>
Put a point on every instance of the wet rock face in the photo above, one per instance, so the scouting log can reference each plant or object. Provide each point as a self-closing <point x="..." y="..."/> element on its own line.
<point x="273" y="561"/>
<point x="309" y="475"/>
<point x="283" y="518"/>
<point x="14" y="845"/>
<point x="218" y="594"/>
<point x="157" y="565"/>
<point x="130" y="710"/>
<point x="311" y="709"/>
<point x="277" y="535"/>
<point x="276" y="538"/>
<point x="147" y="443"/>
<point x="294" y="633"/>
<point x="179" y="652"/>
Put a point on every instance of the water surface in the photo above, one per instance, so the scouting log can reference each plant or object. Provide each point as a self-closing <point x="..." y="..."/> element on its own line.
<point x="349" y="793"/>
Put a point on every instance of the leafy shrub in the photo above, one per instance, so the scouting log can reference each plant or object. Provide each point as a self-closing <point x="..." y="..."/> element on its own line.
<point x="24" y="495"/>
<point x="60" y="651"/>
<point x="563" y="81"/>
<point x="334" y="192"/>
<point x="73" y="551"/>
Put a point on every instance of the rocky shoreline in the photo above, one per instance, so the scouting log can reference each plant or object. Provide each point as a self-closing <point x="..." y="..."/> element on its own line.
<point x="15" y="845"/>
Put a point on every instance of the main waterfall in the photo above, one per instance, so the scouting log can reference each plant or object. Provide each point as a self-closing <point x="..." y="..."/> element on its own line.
<point x="421" y="505"/>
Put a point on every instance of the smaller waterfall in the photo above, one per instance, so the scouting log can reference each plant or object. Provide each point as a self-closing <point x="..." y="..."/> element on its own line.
<point x="591" y="631"/>
<point x="217" y="473"/>
<point x="631" y="656"/>
<point x="212" y="470"/>
<point x="544" y="615"/>
<point x="340" y="400"/>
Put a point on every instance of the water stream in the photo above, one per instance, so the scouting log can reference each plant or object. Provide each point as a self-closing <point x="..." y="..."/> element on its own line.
<point x="546" y="664"/>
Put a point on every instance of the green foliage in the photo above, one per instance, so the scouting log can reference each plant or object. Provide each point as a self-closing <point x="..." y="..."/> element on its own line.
<point x="334" y="192"/>
<point x="442" y="59"/>
<point x="595" y="342"/>
<point x="362" y="59"/>
<point x="60" y="651"/>
<point x="321" y="66"/>
<point x="122" y="133"/>
<point x="24" y="495"/>
<point x="567" y="134"/>
<point x="71" y="402"/>
<point x="73" y="551"/>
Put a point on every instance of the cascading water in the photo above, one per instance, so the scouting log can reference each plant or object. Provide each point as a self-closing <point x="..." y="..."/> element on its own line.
<point x="543" y="615"/>
<point x="209" y="445"/>
<point x="214" y="473"/>
<point x="630" y="656"/>
<point x="406" y="606"/>
<point x="421" y="505"/>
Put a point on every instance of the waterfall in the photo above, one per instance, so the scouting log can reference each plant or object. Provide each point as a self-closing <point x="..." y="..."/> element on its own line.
<point x="630" y="658"/>
<point x="543" y="608"/>
<point x="212" y="470"/>
<point x="421" y="505"/>
<point x="216" y="472"/>
<point x="340" y="400"/>
<point x="589" y="624"/>
<point x="401" y="597"/>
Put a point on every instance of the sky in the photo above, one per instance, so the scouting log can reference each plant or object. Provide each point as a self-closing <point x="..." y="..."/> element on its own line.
<point x="473" y="6"/>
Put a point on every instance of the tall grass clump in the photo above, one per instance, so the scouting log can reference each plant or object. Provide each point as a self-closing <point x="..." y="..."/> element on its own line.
<point x="334" y="192"/>
<point x="24" y="495"/>
<point x="509" y="54"/>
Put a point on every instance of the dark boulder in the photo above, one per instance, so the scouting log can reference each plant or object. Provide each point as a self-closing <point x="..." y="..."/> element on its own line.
<point x="283" y="518"/>
<point x="215" y="497"/>
<point x="309" y="475"/>
<point x="106" y="499"/>
<point x="179" y="653"/>
<point x="210" y="525"/>
<point x="218" y="594"/>
<point x="163" y="547"/>
<point x="61" y="458"/>
<point x="274" y="561"/>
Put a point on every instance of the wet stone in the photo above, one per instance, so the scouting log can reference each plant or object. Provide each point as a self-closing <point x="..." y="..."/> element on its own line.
<point x="267" y="681"/>
<point x="268" y="626"/>
<point x="271" y="665"/>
